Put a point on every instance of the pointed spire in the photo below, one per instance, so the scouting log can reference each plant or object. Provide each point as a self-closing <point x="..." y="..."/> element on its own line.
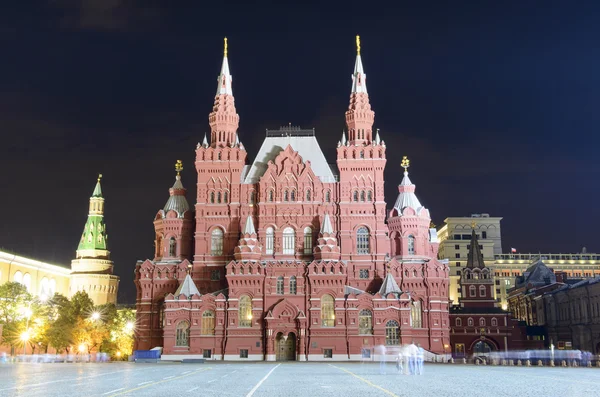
<point x="475" y="257"/>
<point x="177" y="201"/>
<point x="359" y="116"/>
<point x="187" y="288"/>
<point x="407" y="197"/>
<point x="389" y="285"/>
<point x="224" y="81"/>
<point x="359" y="78"/>
<point x="205" y="141"/>
<point x="343" y="138"/>
<point x="326" y="225"/>
<point x="98" y="189"/>
<point x="377" y="138"/>
<point x="249" y="229"/>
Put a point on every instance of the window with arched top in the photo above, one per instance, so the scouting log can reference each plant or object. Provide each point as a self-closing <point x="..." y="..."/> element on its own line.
<point x="365" y="322"/>
<point x="411" y="245"/>
<point x="208" y="323"/>
<point x="362" y="195"/>
<point x="212" y="197"/>
<point x="308" y="195"/>
<point x="270" y="196"/>
<point x="27" y="281"/>
<point x="494" y="322"/>
<point x="482" y="293"/>
<point x="327" y="196"/>
<point x="253" y="197"/>
<point x="225" y="197"/>
<point x="369" y="195"/>
<point x="472" y="291"/>
<point x="52" y="287"/>
<point x="458" y="322"/>
<point x="44" y="288"/>
<point x="308" y="240"/>
<point x="293" y="195"/>
<point x="286" y="196"/>
<point x="293" y="285"/>
<point x="216" y="243"/>
<point x="279" y="285"/>
<point x="289" y="241"/>
<point x="392" y="332"/>
<point x="269" y="240"/>
<point x="18" y="277"/>
<point x="245" y="311"/>
<point x="172" y="246"/>
<point x="470" y="322"/>
<point x="327" y="311"/>
<point x="219" y="156"/>
<point x="219" y="197"/>
<point x="362" y="154"/>
<point x="355" y="196"/>
<point x="183" y="334"/>
<point x="482" y="322"/>
<point x="416" y="319"/>
<point x="362" y="241"/>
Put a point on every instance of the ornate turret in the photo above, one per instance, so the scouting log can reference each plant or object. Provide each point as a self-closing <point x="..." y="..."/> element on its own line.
<point x="327" y="247"/>
<point x="91" y="270"/>
<point x="476" y="281"/>
<point x="249" y="248"/>
<point x="173" y="224"/>
<point x="224" y="119"/>
<point x="359" y="116"/>
<point x="475" y="256"/>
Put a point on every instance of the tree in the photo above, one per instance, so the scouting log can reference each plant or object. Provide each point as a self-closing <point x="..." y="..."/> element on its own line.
<point x="14" y="300"/>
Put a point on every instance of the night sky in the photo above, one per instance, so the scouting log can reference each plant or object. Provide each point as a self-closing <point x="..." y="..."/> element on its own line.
<point x="495" y="104"/>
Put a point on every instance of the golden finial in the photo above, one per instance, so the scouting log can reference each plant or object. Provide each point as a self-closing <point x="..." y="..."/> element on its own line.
<point x="178" y="167"/>
<point x="405" y="163"/>
<point x="99" y="177"/>
<point x="431" y="225"/>
<point x="473" y="224"/>
<point x="357" y="45"/>
<point x="225" y="47"/>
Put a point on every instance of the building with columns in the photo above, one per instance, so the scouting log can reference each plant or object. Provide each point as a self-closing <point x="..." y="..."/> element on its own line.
<point x="289" y="257"/>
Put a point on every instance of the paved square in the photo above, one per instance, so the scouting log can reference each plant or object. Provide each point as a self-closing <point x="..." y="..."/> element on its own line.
<point x="290" y="379"/>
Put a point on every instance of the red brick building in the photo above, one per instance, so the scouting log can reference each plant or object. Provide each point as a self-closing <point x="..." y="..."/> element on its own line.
<point x="478" y="325"/>
<point x="289" y="257"/>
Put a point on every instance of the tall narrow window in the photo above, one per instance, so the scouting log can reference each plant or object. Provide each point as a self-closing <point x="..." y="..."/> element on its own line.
<point x="208" y="323"/>
<point x="289" y="241"/>
<point x="369" y="195"/>
<point x="216" y="244"/>
<point x="415" y="315"/>
<point x="212" y="197"/>
<point x="245" y="311"/>
<point x="458" y="322"/>
<point x="362" y="153"/>
<point x="411" y="245"/>
<point x="494" y="322"/>
<point x="172" y="247"/>
<point x="362" y="195"/>
<point x="52" y="287"/>
<point x="327" y="311"/>
<point x="225" y="197"/>
<point x="27" y="281"/>
<point x="219" y="197"/>
<point x="279" y="285"/>
<point x="355" y="195"/>
<point x="362" y="241"/>
<point x="482" y="291"/>
<point x="285" y="196"/>
<point x="365" y="322"/>
<point x="252" y="197"/>
<point x="270" y="196"/>
<point x="269" y="241"/>
<point x="18" y="277"/>
<point x="293" y="285"/>
<point x="470" y="322"/>
<point x="293" y="195"/>
<point x="472" y="291"/>
<point x="308" y="240"/>
<point x="482" y="322"/>
<point x="327" y="196"/>
<point x="392" y="332"/>
<point x="183" y="334"/>
<point x="308" y="196"/>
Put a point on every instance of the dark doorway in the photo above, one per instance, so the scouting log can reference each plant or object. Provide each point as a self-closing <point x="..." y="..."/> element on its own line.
<point x="285" y="347"/>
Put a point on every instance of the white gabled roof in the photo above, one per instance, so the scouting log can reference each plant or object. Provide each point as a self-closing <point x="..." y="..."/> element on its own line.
<point x="306" y="146"/>
<point x="188" y="288"/>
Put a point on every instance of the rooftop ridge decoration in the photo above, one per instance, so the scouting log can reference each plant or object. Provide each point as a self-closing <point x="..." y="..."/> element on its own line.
<point x="290" y="130"/>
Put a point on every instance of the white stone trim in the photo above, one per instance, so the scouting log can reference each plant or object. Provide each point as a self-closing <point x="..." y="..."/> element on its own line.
<point x="321" y="357"/>
<point x="251" y="357"/>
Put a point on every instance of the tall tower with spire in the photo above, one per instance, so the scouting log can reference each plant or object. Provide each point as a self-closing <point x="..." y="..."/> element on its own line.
<point x="92" y="269"/>
<point x="361" y="161"/>
<point x="476" y="280"/>
<point x="219" y="165"/>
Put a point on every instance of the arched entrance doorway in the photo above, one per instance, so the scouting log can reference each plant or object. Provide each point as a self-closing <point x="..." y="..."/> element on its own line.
<point x="285" y="347"/>
<point x="482" y="348"/>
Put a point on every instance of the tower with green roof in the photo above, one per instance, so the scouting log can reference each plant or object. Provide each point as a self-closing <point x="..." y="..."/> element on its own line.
<point x="92" y="269"/>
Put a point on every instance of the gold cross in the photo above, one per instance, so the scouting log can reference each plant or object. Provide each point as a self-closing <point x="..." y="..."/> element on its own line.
<point x="357" y="45"/>
<point x="178" y="166"/>
<point x="405" y="163"/>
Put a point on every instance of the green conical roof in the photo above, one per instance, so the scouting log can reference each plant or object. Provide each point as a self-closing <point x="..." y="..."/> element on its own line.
<point x="94" y="232"/>
<point x="98" y="188"/>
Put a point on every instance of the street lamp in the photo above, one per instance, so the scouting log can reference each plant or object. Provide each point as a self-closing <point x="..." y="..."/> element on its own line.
<point x="129" y="326"/>
<point x="95" y="316"/>
<point x="25" y="337"/>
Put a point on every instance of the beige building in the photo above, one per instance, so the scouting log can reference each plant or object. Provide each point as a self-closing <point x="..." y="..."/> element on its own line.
<point x="455" y="241"/>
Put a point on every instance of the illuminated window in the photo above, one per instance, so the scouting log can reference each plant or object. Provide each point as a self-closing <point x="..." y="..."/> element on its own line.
<point x="27" y="281"/>
<point x="18" y="277"/>
<point x="183" y="334"/>
<point x="362" y="240"/>
<point x="365" y="322"/>
<point x="293" y="285"/>
<point x="308" y="240"/>
<point x="280" y="285"/>
<point x="172" y="246"/>
<point x="245" y="312"/>
<point x="208" y="323"/>
<point x="415" y="315"/>
<point x="289" y="241"/>
<point x="269" y="241"/>
<point x="392" y="332"/>
<point x="216" y="245"/>
<point x="327" y="311"/>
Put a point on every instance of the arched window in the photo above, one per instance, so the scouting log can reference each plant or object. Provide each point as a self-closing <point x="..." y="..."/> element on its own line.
<point x="470" y="322"/>
<point x="494" y="322"/>
<point x="482" y="322"/>
<point x="293" y="285"/>
<point x="362" y="154"/>
<point x="219" y="197"/>
<point x="458" y="322"/>
<point x="225" y="197"/>
<point x="369" y="195"/>
<point x="245" y="312"/>
<point x="212" y="197"/>
<point x="308" y="240"/>
<point x="269" y="241"/>
<point x="44" y="289"/>
<point x="27" y="281"/>
<point x="482" y="291"/>
<point x="392" y="332"/>
<point x="208" y="323"/>
<point x="172" y="246"/>
<point x="362" y="195"/>
<point x="327" y="311"/>
<point x="362" y="241"/>
<point x="252" y="197"/>
<point x="416" y="320"/>
<point x="365" y="322"/>
<point x="293" y="195"/>
<point x="216" y="243"/>
<point x="18" y="277"/>
<point x="285" y="196"/>
<point x="280" y="285"/>
<point x="219" y="156"/>
<point x="289" y="241"/>
<point x="270" y="196"/>
<point x="308" y="195"/>
<point x="411" y="245"/>
<point x="183" y="334"/>
<point x="52" y="287"/>
<point x="472" y="291"/>
<point x="327" y="196"/>
<point x="355" y="194"/>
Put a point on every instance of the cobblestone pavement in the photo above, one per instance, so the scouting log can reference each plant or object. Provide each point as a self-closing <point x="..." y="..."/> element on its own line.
<point x="291" y="379"/>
